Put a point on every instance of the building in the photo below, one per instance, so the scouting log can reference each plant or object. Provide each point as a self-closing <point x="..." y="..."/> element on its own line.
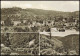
<point x="2" y="22"/>
<point x="49" y="22"/>
<point x="24" y="21"/>
<point x="54" y="30"/>
<point x="16" y="22"/>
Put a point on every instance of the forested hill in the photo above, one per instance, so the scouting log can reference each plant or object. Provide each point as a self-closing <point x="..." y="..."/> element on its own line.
<point x="25" y="13"/>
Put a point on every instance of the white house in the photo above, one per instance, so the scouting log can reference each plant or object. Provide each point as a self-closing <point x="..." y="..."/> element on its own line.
<point x="2" y="22"/>
<point x="2" y="45"/>
<point x="54" y="30"/>
<point x="49" y="22"/>
<point x="16" y="22"/>
<point x="24" y="21"/>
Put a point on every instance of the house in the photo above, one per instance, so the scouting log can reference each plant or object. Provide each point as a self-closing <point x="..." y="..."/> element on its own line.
<point x="2" y="22"/>
<point x="16" y="22"/>
<point x="61" y="30"/>
<point x="24" y="21"/>
<point x="70" y="20"/>
<point x="49" y="22"/>
<point x="54" y="30"/>
<point x="44" y="22"/>
<point x="59" y="24"/>
<point x="64" y="20"/>
<point x="2" y="45"/>
<point x="38" y="24"/>
<point x="70" y="24"/>
<point x="58" y="18"/>
<point x="66" y="24"/>
<point x="33" y="23"/>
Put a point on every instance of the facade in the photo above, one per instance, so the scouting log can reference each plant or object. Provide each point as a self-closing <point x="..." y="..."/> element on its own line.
<point x="24" y="21"/>
<point x="49" y="23"/>
<point x="2" y="22"/>
<point x="16" y="22"/>
<point x="54" y="30"/>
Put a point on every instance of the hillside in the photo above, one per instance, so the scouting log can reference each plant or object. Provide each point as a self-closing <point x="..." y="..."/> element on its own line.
<point x="58" y="42"/>
<point x="53" y="42"/>
<point x="70" y="42"/>
<point x="19" y="40"/>
<point x="19" y="13"/>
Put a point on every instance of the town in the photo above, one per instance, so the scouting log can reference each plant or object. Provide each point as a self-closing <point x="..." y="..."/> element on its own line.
<point x="39" y="32"/>
<point x="24" y="25"/>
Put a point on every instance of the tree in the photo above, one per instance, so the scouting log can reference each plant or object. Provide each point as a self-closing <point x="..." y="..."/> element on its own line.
<point x="7" y="22"/>
<point x="8" y="41"/>
<point x="5" y="28"/>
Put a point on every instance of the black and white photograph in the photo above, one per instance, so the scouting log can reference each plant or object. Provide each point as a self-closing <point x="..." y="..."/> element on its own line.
<point x="40" y="28"/>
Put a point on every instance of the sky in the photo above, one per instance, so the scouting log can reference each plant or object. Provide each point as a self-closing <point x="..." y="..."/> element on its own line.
<point x="66" y="6"/>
